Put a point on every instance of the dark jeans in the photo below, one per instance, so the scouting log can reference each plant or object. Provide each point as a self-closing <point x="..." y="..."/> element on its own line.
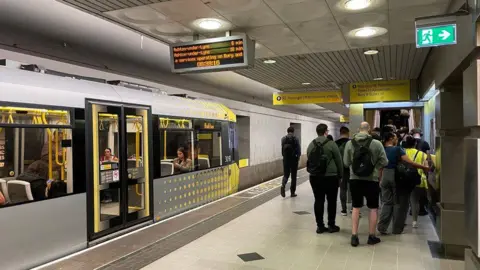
<point x="344" y="189"/>
<point x="326" y="186"/>
<point x="290" y="167"/>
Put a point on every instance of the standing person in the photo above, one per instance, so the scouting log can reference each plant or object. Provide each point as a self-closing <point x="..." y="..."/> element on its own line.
<point x="364" y="155"/>
<point x="395" y="195"/>
<point x="324" y="177"/>
<point x="291" y="154"/>
<point x="341" y="143"/>
<point x="423" y="146"/>
<point x="377" y="134"/>
<point x="418" y="157"/>
<point x="391" y="126"/>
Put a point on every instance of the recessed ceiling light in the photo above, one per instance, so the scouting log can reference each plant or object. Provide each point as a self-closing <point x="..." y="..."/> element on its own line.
<point x="306" y="83"/>
<point x="370" y="52"/>
<point x="209" y="24"/>
<point x="357" y="4"/>
<point x="378" y="79"/>
<point x="269" y="61"/>
<point x="366" y="32"/>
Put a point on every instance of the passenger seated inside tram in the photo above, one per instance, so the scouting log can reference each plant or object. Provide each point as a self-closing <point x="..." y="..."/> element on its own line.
<point x="2" y="199"/>
<point x="36" y="174"/>
<point x="56" y="188"/>
<point x="182" y="163"/>
<point x="108" y="156"/>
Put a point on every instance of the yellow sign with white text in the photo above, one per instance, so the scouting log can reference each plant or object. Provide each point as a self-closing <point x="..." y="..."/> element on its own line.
<point x="377" y="91"/>
<point x="307" y="97"/>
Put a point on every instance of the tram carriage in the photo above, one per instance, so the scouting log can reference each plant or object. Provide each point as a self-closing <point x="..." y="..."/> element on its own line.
<point x="67" y="126"/>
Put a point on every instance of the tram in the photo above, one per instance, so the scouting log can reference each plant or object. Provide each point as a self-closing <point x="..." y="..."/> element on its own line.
<point x="82" y="160"/>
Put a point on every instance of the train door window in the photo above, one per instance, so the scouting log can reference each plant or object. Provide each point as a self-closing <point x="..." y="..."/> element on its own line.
<point x="35" y="154"/>
<point x="108" y="154"/>
<point x="136" y="191"/>
<point x="209" y="147"/>
<point x="178" y="149"/>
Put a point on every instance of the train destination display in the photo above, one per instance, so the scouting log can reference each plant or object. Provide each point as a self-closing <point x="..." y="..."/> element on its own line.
<point x="216" y="54"/>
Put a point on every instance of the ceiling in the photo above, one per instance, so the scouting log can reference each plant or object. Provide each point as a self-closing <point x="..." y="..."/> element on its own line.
<point x="309" y="39"/>
<point x="319" y="31"/>
<point x="70" y="35"/>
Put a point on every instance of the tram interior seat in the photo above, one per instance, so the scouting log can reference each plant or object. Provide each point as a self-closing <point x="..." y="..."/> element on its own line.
<point x="166" y="168"/>
<point x="4" y="189"/>
<point x="204" y="163"/>
<point x="19" y="191"/>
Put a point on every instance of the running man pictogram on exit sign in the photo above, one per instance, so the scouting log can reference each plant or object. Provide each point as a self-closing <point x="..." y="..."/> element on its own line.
<point x="439" y="35"/>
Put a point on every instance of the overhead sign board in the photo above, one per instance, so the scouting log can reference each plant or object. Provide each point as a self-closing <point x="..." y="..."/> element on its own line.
<point x="344" y="119"/>
<point x="307" y="97"/>
<point x="215" y="54"/>
<point x="378" y="91"/>
<point x="438" y="35"/>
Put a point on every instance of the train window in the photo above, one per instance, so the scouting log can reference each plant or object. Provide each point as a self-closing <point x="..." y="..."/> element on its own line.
<point x="209" y="146"/>
<point x="34" y="161"/>
<point x="108" y="145"/>
<point x="177" y="146"/>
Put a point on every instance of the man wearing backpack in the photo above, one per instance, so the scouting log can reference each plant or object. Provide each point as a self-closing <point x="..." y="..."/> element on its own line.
<point x="364" y="155"/>
<point x="325" y="167"/>
<point x="341" y="143"/>
<point x="291" y="155"/>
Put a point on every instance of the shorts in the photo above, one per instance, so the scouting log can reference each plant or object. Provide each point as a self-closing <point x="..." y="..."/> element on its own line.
<point x="364" y="189"/>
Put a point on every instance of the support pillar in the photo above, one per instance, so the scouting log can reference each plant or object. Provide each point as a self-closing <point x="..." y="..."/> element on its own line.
<point x="450" y="163"/>
<point x="471" y="115"/>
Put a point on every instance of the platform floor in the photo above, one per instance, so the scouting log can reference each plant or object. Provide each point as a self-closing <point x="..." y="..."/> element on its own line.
<point x="287" y="240"/>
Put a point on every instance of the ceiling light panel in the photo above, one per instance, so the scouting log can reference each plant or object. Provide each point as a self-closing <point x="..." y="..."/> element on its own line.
<point x="357" y="4"/>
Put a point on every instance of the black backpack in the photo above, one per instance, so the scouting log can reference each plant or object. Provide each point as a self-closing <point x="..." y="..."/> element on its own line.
<point x="407" y="175"/>
<point x="289" y="147"/>
<point x="362" y="164"/>
<point x="317" y="161"/>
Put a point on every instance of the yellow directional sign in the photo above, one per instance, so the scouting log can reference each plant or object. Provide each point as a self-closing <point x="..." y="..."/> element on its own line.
<point x="307" y="97"/>
<point x="344" y="119"/>
<point x="376" y="91"/>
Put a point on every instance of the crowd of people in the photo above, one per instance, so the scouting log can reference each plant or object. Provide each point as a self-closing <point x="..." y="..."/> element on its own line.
<point x="382" y="166"/>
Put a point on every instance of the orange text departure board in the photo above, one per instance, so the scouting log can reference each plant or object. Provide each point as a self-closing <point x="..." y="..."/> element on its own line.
<point x="217" y="54"/>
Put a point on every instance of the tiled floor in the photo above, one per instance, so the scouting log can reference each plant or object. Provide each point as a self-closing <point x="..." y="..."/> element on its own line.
<point x="288" y="241"/>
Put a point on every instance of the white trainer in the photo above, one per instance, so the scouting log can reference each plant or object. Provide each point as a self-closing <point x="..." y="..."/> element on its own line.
<point x="414" y="224"/>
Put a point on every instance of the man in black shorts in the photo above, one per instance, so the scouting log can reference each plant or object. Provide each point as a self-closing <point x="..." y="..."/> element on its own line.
<point x="364" y="155"/>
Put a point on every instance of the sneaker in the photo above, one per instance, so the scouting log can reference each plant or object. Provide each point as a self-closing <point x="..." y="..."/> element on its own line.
<point x="333" y="229"/>
<point x="321" y="230"/>
<point x="282" y="191"/>
<point x="414" y="224"/>
<point x="343" y="213"/>
<point x="373" y="240"/>
<point x="293" y="195"/>
<point x="354" y="241"/>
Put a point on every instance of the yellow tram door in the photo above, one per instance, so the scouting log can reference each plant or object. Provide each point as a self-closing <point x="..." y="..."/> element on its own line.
<point x="118" y="165"/>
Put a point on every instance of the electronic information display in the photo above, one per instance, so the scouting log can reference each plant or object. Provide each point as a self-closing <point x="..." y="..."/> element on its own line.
<point x="216" y="54"/>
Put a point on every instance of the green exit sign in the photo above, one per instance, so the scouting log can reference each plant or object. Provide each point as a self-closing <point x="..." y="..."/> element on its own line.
<point x="439" y="35"/>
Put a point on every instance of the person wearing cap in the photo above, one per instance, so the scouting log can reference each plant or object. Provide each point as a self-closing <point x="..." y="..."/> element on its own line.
<point x="421" y="144"/>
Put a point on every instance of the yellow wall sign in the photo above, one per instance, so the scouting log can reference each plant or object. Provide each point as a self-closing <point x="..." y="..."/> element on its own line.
<point x="376" y="91"/>
<point x="344" y="119"/>
<point x="307" y="97"/>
